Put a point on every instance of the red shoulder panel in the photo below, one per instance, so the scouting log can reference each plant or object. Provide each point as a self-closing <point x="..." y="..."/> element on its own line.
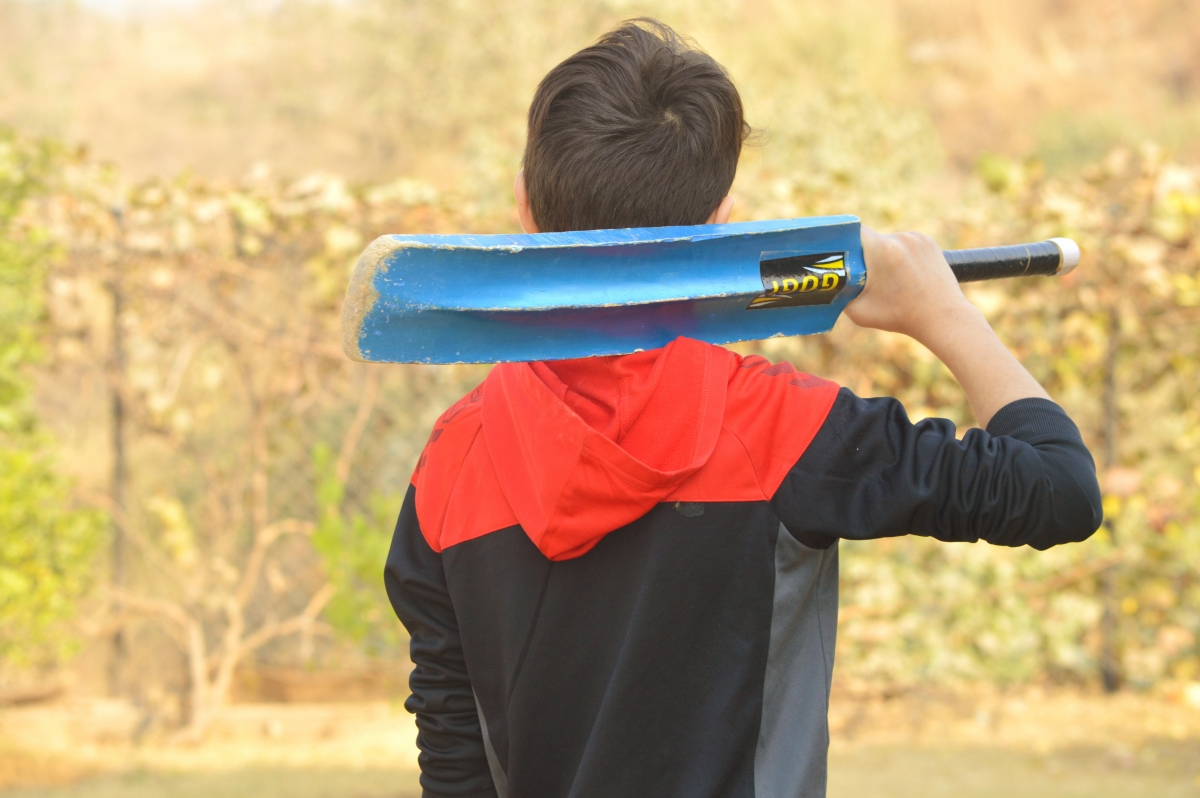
<point x="728" y="476"/>
<point x="775" y="411"/>
<point x="458" y="495"/>
<point x="772" y="413"/>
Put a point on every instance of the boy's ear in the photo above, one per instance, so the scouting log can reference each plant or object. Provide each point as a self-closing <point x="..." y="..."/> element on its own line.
<point x="721" y="214"/>
<point x="524" y="213"/>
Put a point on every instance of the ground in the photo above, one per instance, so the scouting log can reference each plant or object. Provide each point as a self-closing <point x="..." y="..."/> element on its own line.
<point x="966" y="744"/>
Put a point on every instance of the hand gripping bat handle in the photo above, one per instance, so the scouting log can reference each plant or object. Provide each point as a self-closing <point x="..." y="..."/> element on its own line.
<point x="1055" y="256"/>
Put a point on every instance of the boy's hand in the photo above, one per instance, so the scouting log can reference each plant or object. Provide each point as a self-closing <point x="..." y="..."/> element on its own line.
<point x="910" y="288"/>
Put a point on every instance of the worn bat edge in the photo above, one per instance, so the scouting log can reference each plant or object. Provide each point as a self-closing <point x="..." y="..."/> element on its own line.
<point x="361" y="294"/>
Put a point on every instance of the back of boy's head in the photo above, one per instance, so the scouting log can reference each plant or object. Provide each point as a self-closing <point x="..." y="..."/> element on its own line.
<point x="641" y="129"/>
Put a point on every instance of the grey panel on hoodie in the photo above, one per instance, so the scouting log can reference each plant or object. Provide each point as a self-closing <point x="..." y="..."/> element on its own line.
<point x="790" y="761"/>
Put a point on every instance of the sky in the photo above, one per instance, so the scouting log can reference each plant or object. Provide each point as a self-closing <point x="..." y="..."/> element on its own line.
<point x="129" y="8"/>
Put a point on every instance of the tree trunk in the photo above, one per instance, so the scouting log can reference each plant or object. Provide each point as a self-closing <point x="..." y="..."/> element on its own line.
<point x="1110" y="661"/>
<point x="200" y="712"/>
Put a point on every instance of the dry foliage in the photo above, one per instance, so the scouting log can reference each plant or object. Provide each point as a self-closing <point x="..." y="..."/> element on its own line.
<point x="265" y="470"/>
<point x="371" y="89"/>
<point x="223" y="354"/>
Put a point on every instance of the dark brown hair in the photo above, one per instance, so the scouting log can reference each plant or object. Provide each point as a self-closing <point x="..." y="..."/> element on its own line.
<point x="641" y="129"/>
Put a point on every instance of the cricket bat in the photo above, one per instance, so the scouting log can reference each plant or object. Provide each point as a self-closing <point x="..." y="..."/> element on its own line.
<point x="552" y="296"/>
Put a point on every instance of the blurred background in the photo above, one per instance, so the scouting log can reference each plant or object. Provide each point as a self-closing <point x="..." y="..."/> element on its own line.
<point x="197" y="489"/>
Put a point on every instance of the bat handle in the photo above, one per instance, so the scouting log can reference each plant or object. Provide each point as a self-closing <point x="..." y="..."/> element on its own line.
<point x="1055" y="256"/>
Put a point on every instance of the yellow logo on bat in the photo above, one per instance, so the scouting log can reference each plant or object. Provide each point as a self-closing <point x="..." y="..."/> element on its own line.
<point x="792" y="280"/>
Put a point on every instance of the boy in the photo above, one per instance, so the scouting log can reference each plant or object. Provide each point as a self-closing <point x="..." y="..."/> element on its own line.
<point x="620" y="573"/>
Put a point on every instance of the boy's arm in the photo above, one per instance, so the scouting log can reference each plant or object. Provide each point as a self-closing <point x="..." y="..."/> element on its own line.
<point x="911" y="290"/>
<point x="1027" y="479"/>
<point x="871" y="473"/>
<point x="452" y="756"/>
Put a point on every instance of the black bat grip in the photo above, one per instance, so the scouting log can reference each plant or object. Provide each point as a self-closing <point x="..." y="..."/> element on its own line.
<point x="1056" y="256"/>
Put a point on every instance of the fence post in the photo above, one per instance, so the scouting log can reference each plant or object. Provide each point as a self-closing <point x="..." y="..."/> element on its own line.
<point x="120" y="475"/>
<point x="1110" y="663"/>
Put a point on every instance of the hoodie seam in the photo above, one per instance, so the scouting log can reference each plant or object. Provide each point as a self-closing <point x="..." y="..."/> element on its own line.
<point x="553" y="514"/>
<point x="454" y="488"/>
<point x="623" y="423"/>
<point x="705" y="389"/>
<point x="615" y="469"/>
<point x="749" y="459"/>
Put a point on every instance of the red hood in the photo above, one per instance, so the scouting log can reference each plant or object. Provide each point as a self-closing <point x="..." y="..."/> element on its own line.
<point x="583" y="447"/>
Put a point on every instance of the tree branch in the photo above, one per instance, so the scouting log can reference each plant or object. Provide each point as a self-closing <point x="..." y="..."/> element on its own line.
<point x="350" y="443"/>
<point x="270" y="631"/>
<point x="262" y="541"/>
<point x="1080" y="572"/>
<point x="135" y="534"/>
<point x="178" y="622"/>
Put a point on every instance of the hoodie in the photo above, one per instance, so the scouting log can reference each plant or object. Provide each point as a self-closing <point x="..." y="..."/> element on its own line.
<point x="619" y="574"/>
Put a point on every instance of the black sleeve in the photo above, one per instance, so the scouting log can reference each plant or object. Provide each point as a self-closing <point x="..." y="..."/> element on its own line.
<point x="452" y="758"/>
<point x="871" y="473"/>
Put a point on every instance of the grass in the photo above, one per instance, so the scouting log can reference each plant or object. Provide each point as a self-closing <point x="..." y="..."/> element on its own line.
<point x="256" y="782"/>
<point x="979" y="743"/>
<point x="1164" y="770"/>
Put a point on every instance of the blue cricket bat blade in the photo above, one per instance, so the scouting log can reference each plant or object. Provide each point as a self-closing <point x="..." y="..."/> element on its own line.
<point x="496" y="298"/>
<point x="552" y="296"/>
